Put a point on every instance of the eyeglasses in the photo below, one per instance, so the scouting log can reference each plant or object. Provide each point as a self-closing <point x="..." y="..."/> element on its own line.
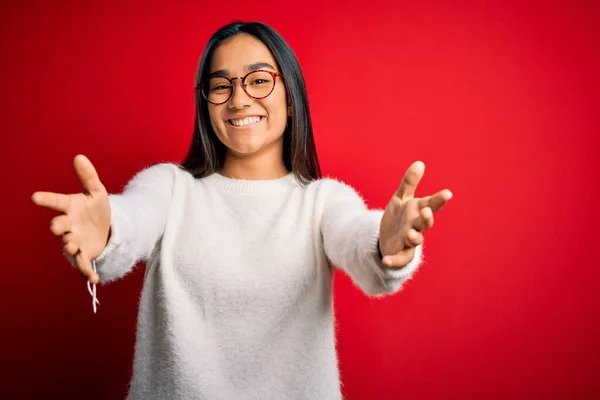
<point x="257" y="84"/>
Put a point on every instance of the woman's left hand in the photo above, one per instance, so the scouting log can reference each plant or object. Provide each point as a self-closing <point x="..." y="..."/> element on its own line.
<point x="406" y="217"/>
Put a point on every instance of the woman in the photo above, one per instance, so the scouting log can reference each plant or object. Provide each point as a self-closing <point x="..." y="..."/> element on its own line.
<point x="241" y="241"/>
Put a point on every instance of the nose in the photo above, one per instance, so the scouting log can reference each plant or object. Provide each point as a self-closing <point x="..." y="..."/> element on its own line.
<point x="239" y="98"/>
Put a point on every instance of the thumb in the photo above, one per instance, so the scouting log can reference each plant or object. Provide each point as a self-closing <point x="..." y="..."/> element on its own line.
<point x="87" y="174"/>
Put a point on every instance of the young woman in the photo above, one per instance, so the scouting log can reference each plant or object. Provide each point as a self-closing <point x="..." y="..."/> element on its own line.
<point x="242" y="239"/>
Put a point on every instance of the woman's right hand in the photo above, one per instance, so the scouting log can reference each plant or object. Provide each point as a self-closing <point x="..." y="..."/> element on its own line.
<point x="85" y="220"/>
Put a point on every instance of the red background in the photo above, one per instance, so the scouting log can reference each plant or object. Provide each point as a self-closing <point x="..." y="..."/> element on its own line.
<point x="499" y="99"/>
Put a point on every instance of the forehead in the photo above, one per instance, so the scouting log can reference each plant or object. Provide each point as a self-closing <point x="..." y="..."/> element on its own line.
<point x="238" y="53"/>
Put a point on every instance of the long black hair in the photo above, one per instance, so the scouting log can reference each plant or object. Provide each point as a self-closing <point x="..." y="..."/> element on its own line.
<point x="206" y="154"/>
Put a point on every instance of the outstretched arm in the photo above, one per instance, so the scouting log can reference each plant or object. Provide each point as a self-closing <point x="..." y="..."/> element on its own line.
<point x="379" y="250"/>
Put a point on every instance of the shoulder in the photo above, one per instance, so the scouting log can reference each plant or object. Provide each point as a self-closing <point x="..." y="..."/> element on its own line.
<point x="332" y="190"/>
<point x="159" y="174"/>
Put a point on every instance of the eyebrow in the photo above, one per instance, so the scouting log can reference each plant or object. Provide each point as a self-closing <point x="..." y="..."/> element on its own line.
<point x="247" y="68"/>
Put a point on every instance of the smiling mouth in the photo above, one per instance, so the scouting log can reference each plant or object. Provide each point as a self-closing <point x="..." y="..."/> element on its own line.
<point x="244" y="122"/>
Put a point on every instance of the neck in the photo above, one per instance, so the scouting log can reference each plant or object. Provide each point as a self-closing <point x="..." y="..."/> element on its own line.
<point x="260" y="167"/>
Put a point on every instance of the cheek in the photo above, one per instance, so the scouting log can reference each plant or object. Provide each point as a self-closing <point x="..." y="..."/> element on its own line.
<point x="278" y="114"/>
<point x="215" y="120"/>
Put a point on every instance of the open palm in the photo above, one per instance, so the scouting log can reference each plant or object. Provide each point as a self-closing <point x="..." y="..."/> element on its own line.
<point x="406" y="217"/>
<point x="84" y="222"/>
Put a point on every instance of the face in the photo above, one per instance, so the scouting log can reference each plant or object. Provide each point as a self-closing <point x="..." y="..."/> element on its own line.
<point x="248" y="126"/>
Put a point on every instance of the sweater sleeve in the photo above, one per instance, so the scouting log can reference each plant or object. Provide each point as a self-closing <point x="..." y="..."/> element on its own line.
<point x="351" y="234"/>
<point x="138" y="218"/>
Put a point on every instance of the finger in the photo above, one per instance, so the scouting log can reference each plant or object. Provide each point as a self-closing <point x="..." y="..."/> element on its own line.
<point x="53" y="201"/>
<point x="85" y="267"/>
<point x="68" y="237"/>
<point x="411" y="179"/>
<point x="70" y="245"/>
<point x="437" y="201"/>
<point x="71" y="248"/>
<point x="424" y="221"/>
<point x="60" y="225"/>
<point x="413" y="238"/>
<point x="400" y="259"/>
<point x="87" y="174"/>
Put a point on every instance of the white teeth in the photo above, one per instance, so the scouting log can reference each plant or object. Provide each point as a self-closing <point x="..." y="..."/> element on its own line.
<point x="245" y="121"/>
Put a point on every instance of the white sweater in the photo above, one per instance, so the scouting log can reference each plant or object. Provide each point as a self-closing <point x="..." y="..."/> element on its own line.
<point x="237" y="295"/>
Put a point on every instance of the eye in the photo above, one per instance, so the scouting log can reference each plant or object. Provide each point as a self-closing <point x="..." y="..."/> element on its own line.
<point x="219" y="87"/>
<point x="218" y="84"/>
<point x="260" y="81"/>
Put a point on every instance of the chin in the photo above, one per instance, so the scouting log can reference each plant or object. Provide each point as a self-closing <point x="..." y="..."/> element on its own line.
<point x="249" y="146"/>
<point x="244" y="150"/>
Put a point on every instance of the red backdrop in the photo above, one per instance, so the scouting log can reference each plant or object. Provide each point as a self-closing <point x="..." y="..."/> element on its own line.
<point x="499" y="99"/>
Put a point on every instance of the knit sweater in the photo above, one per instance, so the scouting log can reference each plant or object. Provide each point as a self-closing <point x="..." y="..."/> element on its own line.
<point x="237" y="294"/>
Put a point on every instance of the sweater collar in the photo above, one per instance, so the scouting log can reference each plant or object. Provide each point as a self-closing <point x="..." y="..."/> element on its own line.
<point x="252" y="186"/>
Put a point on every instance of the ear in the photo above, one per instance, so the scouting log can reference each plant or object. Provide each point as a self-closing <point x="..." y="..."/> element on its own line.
<point x="289" y="110"/>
